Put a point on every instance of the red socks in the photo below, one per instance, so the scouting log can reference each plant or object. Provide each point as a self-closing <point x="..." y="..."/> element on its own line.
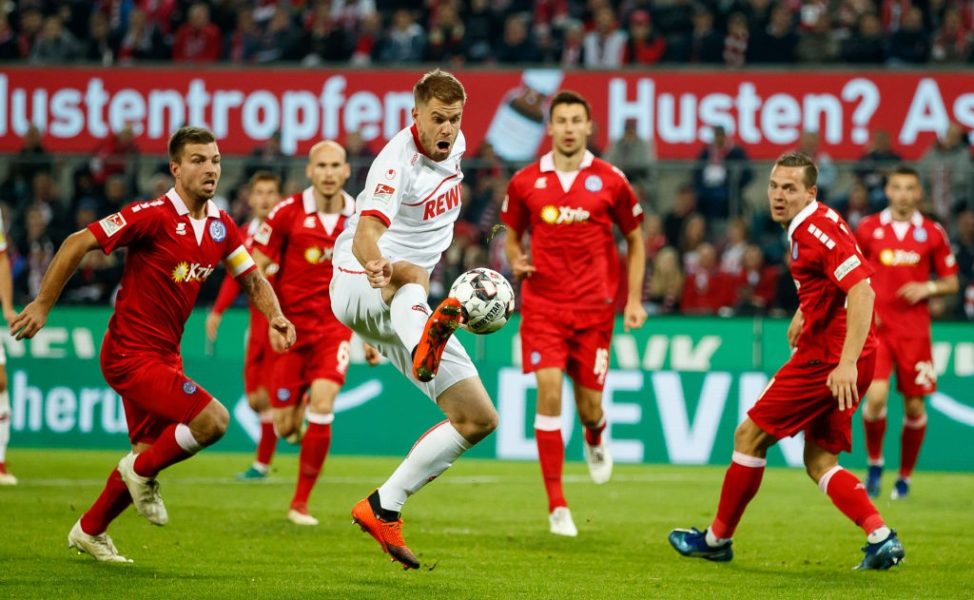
<point x="913" y="431"/>
<point x="593" y="435"/>
<point x="849" y="496"/>
<point x="268" y="442"/>
<point x="114" y="499"/>
<point x="175" y="444"/>
<point x="551" y="455"/>
<point x="741" y="483"/>
<point x="314" y="449"/>
<point x="875" y="432"/>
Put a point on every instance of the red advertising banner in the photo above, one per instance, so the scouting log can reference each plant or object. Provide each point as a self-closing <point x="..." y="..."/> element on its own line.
<point x="765" y="111"/>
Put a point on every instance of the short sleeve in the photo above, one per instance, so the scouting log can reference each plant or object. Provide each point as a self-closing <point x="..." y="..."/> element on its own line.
<point x="128" y="225"/>
<point x="626" y="210"/>
<point x="383" y="190"/>
<point x="514" y="211"/>
<point x="944" y="261"/>
<point x="842" y="260"/>
<point x="273" y="232"/>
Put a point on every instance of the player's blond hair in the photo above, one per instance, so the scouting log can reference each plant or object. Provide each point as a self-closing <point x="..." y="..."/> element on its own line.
<point x="797" y="159"/>
<point x="188" y="135"/>
<point x="440" y="85"/>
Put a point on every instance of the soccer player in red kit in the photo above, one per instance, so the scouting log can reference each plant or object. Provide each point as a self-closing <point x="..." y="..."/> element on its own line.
<point x="174" y="244"/>
<point x="818" y="389"/>
<point x="905" y="249"/>
<point x="263" y="195"/>
<point x="299" y="235"/>
<point x="567" y="202"/>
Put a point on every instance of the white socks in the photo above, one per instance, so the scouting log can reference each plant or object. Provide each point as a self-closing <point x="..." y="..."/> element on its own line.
<point x="409" y="312"/>
<point x="4" y="424"/>
<point x="878" y="535"/>
<point x="713" y="541"/>
<point x="185" y="439"/>
<point x="432" y="454"/>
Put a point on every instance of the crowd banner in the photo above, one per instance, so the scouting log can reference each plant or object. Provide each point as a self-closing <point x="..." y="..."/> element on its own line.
<point x="675" y="392"/>
<point x="764" y="110"/>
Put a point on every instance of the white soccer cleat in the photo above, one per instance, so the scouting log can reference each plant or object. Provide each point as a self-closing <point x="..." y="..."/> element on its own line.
<point x="300" y="518"/>
<point x="7" y="479"/>
<point x="599" y="461"/>
<point x="561" y="522"/>
<point x="100" y="547"/>
<point x="144" y="492"/>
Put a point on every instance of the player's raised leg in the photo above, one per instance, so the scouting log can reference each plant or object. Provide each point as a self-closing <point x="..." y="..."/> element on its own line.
<point x="874" y="424"/>
<point x="314" y="447"/>
<point x="470" y="418"/>
<point x="914" y="430"/>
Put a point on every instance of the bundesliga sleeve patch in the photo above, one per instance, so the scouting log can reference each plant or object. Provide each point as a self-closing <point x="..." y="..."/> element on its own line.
<point x="383" y="192"/>
<point x="846" y="267"/>
<point x="263" y="235"/>
<point x="112" y="224"/>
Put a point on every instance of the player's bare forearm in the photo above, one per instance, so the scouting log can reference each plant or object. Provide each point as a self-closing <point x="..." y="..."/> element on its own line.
<point x="261" y="294"/>
<point x="945" y="286"/>
<point x="262" y="261"/>
<point x="6" y="287"/>
<point x="365" y="244"/>
<point x="859" y="316"/>
<point x="635" y="263"/>
<point x="514" y="250"/>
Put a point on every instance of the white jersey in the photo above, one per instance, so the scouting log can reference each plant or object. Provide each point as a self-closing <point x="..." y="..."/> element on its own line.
<point x="418" y="200"/>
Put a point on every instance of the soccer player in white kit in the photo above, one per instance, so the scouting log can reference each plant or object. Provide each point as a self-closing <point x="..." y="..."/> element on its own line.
<point x="403" y="222"/>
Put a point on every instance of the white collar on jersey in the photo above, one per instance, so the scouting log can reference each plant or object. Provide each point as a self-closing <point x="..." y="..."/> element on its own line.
<point x="180" y="206"/>
<point x="253" y="226"/>
<point x="311" y="207"/>
<point x="547" y="162"/>
<point x="886" y="217"/>
<point x="801" y="216"/>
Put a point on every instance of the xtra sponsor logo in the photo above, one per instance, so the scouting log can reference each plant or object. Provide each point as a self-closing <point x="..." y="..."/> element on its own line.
<point x="186" y="272"/>
<point x="898" y="258"/>
<point x="564" y="215"/>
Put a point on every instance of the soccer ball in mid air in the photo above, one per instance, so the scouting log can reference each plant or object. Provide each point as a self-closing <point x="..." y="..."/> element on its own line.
<point x="487" y="300"/>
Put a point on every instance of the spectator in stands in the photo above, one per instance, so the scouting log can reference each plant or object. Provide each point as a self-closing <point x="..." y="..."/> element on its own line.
<point x="694" y="235"/>
<point x="117" y="154"/>
<point x="820" y="44"/>
<point x="360" y="158"/>
<point x="482" y="28"/>
<point x="141" y="41"/>
<point x="324" y="41"/>
<point x="45" y="200"/>
<point x="664" y="286"/>
<point x="572" y="45"/>
<point x="55" y="44"/>
<point x="516" y="46"/>
<point x="9" y="49"/>
<point x="644" y="46"/>
<point x="198" y="40"/>
<point x="37" y="248"/>
<point x="736" y="41"/>
<point x="706" y="45"/>
<point x="445" y="41"/>
<point x="732" y="256"/>
<point x="866" y="45"/>
<point x="370" y="32"/>
<point x="99" y="47"/>
<point x="349" y="14"/>
<point x="856" y="205"/>
<point x="654" y="236"/>
<point x="241" y="44"/>
<point x="776" y="43"/>
<point x="404" y="41"/>
<point x="281" y="40"/>
<point x="268" y="157"/>
<point x="952" y="41"/>
<point x="946" y="172"/>
<point x="31" y="23"/>
<point x="910" y="44"/>
<point x="872" y="166"/>
<point x="808" y="144"/>
<point x="684" y="205"/>
<point x="116" y="196"/>
<point x="755" y="284"/>
<point x="31" y="159"/>
<point x="633" y="155"/>
<point x="723" y="170"/>
<point x="706" y="290"/>
<point x="964" y="252"/>
<point x="605" y="45"/>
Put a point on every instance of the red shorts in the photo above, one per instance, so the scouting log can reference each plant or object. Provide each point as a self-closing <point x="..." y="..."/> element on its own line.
<point x="575" y="341"/>
<point x="798" y="399"/>
<point x="913" y="358"/>
<point x="155" y="392"/>
<point x="260" y="358"/>
<point x="324" y="356"/>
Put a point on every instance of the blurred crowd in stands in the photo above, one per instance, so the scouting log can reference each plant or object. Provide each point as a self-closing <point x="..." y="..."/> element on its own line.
<point x="589" y="33"/>
<point x="711" y="246"/>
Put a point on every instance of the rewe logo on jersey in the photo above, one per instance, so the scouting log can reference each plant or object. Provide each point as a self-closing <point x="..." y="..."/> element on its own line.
<point x="446" y="201"/>
<point x="186" y="272"/>
<point x="561" y="215"/>
<point x="899" y="258"/>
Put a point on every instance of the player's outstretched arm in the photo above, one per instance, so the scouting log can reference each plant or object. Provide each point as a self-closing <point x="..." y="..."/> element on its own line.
<point x="513" y="247"/>
<point x="262" y="296"/>
<point x="62" y="267"/>
<point x="6" y="288"/>
<point x="365" y="248"/>
<point x="634" y="315"/>
<point x="859" y="314"/>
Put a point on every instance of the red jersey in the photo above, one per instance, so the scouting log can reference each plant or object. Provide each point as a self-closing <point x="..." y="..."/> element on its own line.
<point x="825" y="264"/>
<point x="919" y="248"/>
<point x="169" y="258"/>
<point x="301" y="240"/>
<point x="572" y="244"/>
<point x="230" y="289"/>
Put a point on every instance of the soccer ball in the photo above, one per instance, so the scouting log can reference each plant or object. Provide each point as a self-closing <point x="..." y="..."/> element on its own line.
<point x="487" y="300"/>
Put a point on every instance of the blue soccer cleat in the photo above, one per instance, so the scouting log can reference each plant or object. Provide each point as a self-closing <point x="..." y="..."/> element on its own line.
<point x="901" y="489"/>
<point x="252" y="474"/>
<point x="882" y="555"/>
<point x="873" y="477"/>
<point x="693" y="543"/>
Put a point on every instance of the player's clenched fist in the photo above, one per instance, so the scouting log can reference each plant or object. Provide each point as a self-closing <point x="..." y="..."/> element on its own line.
<point x="282" y="334"/>
<point x="29" y="321"/>
<point x="379" y="272"/>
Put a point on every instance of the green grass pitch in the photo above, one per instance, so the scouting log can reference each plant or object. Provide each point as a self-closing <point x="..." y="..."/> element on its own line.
<point x="480" y="531"/>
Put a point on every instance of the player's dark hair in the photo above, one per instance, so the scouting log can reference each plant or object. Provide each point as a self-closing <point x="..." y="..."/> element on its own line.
<point x="440" y="85"/>
<point x="797" y="159"/>
<point x="569" y="97"/>
<point x="188" y="135"/>
<point x="902" y="169"/>
<point x="265" y="176"/>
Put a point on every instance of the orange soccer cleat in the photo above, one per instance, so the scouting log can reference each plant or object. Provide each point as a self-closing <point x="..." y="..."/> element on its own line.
<point x="439" y="327"/>
<point x="387" y="533"/>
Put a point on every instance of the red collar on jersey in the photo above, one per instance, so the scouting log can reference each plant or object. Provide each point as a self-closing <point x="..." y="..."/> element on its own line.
<point x="419" y="146"/>
<point x="181" y="209"/>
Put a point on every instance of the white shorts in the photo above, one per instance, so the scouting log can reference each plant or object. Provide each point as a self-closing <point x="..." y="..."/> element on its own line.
<point x="360" y="307"/>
